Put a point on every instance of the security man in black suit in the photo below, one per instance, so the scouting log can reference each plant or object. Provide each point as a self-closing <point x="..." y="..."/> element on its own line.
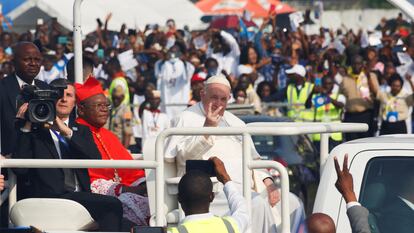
<point x="27" y="61"/>
<point x="65" y="139"/>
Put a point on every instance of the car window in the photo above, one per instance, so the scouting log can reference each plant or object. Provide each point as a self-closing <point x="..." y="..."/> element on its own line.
<point x="264" y="143"/>
<point x="386" y="191"/>
<point x="295" y="149"/>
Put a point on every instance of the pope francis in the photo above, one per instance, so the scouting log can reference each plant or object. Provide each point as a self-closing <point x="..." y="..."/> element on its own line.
<point x="210" y="112"/>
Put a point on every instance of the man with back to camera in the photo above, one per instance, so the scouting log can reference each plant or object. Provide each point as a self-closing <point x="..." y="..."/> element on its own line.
<point x="65" y="139"/>
<point x="195" y="201"/>
<point x="320" y="223"/>
<point x="210" y="112"/>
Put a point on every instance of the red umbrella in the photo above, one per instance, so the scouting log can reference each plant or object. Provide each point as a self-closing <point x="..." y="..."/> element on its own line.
<point x="231" y="7"/>
<point x="230" y="21"/>
<point x="277" y="6"/>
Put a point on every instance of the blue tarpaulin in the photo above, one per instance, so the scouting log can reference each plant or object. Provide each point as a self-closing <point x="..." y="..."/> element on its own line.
<point x="10" y="5"/>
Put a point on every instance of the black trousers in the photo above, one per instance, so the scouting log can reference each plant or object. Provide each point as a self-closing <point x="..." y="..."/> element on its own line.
<point x="105" y="210"/>
<point x="399" y="127"/>
<point x="366" y="117"/>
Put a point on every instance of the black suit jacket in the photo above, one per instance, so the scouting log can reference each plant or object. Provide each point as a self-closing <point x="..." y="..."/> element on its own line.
<point x="9" y="90"/>
<point x="397" y="217"/>
<point x="39" y="144"/>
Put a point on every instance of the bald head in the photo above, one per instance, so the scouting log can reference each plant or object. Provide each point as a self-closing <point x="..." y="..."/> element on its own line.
<point x="320" y="223"/>
<point x="20" y="48"/>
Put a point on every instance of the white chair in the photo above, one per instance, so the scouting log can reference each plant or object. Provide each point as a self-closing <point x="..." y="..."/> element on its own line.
<point x="51" y="214"/>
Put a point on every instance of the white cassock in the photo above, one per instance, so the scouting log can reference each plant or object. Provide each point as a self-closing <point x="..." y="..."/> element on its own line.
<point x="174" y="82"/>
<point x="153" y="123"/>
<point x="230" y="61"/>
<point x="229" y="150"/>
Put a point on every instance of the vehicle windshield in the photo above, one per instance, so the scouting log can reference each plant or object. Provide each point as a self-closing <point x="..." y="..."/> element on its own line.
<point x="387" y="192"/>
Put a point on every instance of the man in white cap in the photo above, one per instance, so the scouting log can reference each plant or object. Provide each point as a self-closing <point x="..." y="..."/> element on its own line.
<point x="296" y="94"/>
<point x="153" y="120"/>
<point x="174" y="81"/>
<point x="210" y="112"/>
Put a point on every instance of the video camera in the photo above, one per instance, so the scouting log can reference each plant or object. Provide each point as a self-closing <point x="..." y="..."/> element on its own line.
<point x="42" y="102"/>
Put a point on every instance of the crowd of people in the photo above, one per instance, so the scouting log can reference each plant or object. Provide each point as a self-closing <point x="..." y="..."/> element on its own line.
<point x="138" y="83"/>
<point x="340" y="75"/>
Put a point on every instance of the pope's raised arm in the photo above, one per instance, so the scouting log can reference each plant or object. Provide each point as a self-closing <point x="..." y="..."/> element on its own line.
<point x="210" y="112"/>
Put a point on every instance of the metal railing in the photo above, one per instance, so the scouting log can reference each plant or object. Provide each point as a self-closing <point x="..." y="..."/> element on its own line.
<point x="77" y="40"/>
<point x="246" y="132"/>
<point x="325" y="130"/>
<point x="76" y="163"/>
<point x="158" y="164"/>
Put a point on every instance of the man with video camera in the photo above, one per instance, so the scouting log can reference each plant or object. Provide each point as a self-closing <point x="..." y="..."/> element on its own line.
<point x="62" y="139"/>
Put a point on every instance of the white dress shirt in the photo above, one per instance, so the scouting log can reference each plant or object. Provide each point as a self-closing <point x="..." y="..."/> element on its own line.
<point x="237" y="205"/>
<point x="22" y="83"/>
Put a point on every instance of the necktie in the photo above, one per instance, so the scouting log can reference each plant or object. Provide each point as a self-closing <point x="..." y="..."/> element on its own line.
<point x="70" y="182"/>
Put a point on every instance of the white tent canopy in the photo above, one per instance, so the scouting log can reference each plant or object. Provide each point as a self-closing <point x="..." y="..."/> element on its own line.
<point x="134" y="13"/>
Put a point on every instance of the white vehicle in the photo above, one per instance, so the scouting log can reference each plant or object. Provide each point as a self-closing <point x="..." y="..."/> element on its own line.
<point x="374" y="164"/>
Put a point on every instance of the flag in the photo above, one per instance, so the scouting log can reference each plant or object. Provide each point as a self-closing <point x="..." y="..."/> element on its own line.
<point x="243" y="29"/>
<point x="7" y="23"/>
<point x="271" y="8"/>
<point x="244" y="33"/>
<point x="320" y="100"/>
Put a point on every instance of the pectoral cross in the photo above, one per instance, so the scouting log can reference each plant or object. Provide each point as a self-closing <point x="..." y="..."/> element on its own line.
<point x="117" y="178"/>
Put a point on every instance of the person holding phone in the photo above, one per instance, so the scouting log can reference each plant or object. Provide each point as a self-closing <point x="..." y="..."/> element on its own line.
<point x="328" y="104"/>
<point x="195" y="193"/>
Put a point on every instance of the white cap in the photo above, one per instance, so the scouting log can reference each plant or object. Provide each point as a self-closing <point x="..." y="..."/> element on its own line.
<point x="221" y="79"/>
<point x="297" y="69"/>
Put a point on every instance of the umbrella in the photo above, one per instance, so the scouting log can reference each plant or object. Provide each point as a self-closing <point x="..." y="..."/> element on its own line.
<point x="231" y="7"/>
<point x="230" y="21"/>
<point x="279" y="7"/>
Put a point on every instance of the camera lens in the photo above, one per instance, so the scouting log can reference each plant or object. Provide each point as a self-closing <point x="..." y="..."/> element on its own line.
<point x="42" y="111"/>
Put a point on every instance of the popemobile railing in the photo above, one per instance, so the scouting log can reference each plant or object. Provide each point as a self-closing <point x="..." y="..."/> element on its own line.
<point x="158" y="164"/>
<point x="246" y="132"/>
<point x="328" y="128"/>
<point x="74" y="163"/>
